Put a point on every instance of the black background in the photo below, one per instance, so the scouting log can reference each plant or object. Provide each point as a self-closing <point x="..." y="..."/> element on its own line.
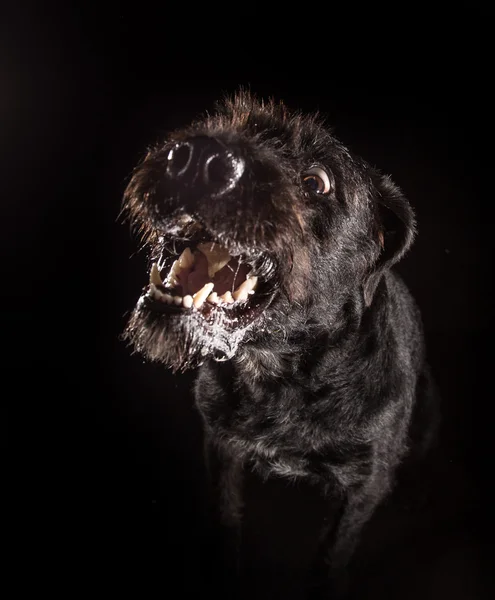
<point x="107" y="480"/>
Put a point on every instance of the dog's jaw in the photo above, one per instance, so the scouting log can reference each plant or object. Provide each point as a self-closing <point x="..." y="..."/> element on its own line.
<point x="184" y="341"/>
<point x="202" y="298"/>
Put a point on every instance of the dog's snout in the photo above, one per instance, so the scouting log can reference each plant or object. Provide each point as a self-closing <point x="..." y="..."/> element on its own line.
<point x="205" y="163"/>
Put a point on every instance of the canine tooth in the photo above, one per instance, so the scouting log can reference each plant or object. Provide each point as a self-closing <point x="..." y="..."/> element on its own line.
<point x="240" y="295"/>
<point x="213" y="298"/>
<point x="155" y="275"/>
<point x="216" y="255"/>
<point x="187" y="301"/>
<point x="185" y="260"/>
<point x="171" y="278"/>
<point x="227" y="297"/>
<point x="178" y="300"/>
<point x="246" y="287"/>
<point x="200" y="296"/>
<point x="253" y="281"/>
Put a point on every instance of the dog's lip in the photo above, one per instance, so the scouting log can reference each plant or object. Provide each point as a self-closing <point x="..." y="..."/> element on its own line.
<point x="182" y="227"/>
<point x="230" y="317"/>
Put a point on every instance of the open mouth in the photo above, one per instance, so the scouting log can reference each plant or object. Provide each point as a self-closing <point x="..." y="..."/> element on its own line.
<point x="195" y="271"/>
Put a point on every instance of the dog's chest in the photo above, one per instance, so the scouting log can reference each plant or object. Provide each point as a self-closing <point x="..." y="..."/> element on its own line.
<point x="264" y="419"/>
<point x="291" y="426"/>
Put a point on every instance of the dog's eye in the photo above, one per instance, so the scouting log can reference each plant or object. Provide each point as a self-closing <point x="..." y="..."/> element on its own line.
<point x="317" y="180"/>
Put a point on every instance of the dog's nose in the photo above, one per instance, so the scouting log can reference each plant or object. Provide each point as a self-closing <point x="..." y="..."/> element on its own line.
<point x="206" y="163"/>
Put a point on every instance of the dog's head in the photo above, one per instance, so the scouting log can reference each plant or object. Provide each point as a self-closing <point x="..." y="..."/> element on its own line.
<point x="250" y="213"/>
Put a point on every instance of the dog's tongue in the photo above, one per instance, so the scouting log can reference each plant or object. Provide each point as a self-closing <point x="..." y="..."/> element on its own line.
<point x="212" y="263"/>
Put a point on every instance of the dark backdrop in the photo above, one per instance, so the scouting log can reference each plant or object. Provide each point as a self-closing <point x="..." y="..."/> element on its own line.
<point x="107" y="481"/>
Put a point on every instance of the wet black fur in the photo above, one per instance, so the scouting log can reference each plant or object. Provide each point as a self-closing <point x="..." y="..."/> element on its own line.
<point x="324" y="386"/>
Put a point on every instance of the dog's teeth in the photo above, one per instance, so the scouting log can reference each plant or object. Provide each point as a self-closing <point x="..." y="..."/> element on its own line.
<point x="153" y="292"/>
<point x="200" y="296"/>
<point x="155" y="275"/>
<point x="241" y="293"/>
<point x="167" y="298"/>
<point x="227" y="297"/>
<point x="185" y="261"/>
<point x="213" y="298"/>
<point x="216" y="255"/>
<point x="178" y="300"/>
<point x="187" y="301"/>
<point x="171" y="277"/>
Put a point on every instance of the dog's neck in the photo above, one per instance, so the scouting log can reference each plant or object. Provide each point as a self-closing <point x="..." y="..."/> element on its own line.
<point x="281" y="352"/>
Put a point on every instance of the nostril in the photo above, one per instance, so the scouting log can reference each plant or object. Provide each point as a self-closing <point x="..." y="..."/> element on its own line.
<point x="178" y="158"/>
<point x="217" y="169"/>
<point x="205" y="164"/>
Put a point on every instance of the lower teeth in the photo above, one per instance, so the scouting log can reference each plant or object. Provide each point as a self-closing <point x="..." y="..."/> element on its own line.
<point x="199" y="298"/>
<point x="205" y="294"/>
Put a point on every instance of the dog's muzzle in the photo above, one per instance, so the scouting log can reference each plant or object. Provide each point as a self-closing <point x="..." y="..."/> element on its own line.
<point x="212" y="276"/>
<point x="202" y="165"/>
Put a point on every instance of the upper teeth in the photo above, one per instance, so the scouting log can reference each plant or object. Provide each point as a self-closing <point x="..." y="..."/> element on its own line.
<point x="185" y="261"/>
<point x="155" y="275"/>
<point x="216" y="255"/>
<point x="217" y="258"/>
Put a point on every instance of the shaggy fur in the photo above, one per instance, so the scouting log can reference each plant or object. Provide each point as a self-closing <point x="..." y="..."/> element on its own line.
<point x="318" y="377"/>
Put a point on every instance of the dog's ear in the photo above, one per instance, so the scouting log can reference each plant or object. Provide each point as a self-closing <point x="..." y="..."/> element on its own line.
<point x="396" y="227"/>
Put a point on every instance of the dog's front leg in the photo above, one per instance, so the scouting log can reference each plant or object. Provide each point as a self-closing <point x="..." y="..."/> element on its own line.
<point x="225" y="478"/>
<point x="356" y="509"/>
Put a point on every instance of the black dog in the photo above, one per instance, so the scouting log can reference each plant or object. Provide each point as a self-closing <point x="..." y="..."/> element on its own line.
<point x="271" y="248"/>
